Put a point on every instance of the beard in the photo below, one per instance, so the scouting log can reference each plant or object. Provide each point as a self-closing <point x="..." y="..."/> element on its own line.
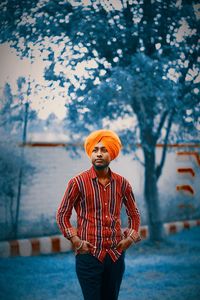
<point x="100" y="167"/>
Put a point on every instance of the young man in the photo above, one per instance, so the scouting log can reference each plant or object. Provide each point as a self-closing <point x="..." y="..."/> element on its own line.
<point x="97" y="196"/>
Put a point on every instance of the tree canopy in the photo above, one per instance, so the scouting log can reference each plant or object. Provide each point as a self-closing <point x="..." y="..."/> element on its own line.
<point x="86" y="42"/>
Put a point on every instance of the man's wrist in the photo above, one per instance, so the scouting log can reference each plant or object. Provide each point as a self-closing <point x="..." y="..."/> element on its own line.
<point x="135" y="236"/>
<point x="79" y="246"/>
<point x="75" y="240"/>
<point x="131" y="239"/>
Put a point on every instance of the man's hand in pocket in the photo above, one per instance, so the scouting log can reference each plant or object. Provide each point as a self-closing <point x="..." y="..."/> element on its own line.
<point x="125" y="243"/>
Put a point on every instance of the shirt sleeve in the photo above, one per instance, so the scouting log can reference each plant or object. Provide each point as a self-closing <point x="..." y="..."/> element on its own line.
<point x="64" y="211"/>
<point x="132" y="213"/>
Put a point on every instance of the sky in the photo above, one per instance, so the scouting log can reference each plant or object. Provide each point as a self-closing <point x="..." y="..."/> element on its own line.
<point x="49" y="97"/>
<point x="12" y="67"/>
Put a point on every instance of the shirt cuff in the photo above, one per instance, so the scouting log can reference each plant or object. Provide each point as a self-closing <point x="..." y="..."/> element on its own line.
<point x="129" y="232"/>
<point x="70" y="232"/>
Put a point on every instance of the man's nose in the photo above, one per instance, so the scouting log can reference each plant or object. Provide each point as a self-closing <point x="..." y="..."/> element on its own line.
<point x="99" y="153"/>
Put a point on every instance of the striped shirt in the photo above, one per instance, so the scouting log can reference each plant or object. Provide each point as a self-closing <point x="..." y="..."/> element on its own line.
<point x="98" y="210"/>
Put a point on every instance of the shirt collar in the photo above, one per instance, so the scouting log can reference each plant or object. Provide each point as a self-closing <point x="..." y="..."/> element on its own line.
<point x="93" y="174"/>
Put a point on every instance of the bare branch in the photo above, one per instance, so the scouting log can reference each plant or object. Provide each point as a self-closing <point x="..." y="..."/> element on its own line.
<point x="162" y="121"/>
<point x="140" y="161"/>
<point x="160" y="166"/>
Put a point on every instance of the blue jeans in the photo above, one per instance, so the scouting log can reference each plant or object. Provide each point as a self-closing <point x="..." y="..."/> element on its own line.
<point x="99" y="280"/>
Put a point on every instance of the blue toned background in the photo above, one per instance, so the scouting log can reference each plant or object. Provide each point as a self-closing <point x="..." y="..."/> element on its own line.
<point x="70" y="67"/>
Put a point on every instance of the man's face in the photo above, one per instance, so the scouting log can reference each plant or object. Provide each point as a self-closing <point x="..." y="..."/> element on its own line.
<point x="100" y="157"/>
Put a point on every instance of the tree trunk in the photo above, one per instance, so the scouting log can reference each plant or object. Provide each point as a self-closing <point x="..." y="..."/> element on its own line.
<point x="151" y="196"/>
<point x="21" y="170"/>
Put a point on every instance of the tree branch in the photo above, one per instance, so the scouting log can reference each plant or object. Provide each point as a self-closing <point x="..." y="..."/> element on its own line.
<point x="162" y="121"/>
<point x="160" y="166"/>
<point x="140" y="161"/>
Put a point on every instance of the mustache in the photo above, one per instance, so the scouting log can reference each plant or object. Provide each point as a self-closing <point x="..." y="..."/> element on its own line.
<point x="99" y="160"/>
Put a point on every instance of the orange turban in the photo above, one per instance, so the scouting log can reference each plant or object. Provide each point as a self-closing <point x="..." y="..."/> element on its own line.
<point x="108" y="137"/>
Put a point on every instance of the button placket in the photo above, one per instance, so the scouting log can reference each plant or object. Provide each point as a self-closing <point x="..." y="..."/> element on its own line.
<point x="106" y="208"/>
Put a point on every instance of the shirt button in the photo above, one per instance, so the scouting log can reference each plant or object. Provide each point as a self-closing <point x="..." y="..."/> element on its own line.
<point x="106" y="250"/>
<point x="106" y="203"/>
<point x="106" y="216"/>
